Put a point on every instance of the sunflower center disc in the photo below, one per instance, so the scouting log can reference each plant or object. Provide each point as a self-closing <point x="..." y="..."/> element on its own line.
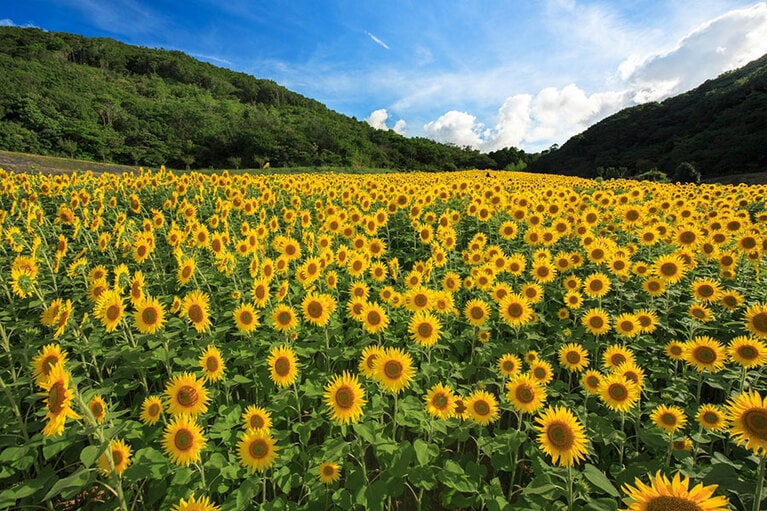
<point x="113" y="312"/>
<point x="211" y="364"/>
<point x="759" y="322"/>
<point x="508" y="366"/>
<point x="258" y="449"/>
<point x="283" y="318"/>
<point x="515" y="310"/>
<point x="524" y="394"/>
<point x="747" y="352"/>
<point x="282" y="366"/>
<point x="374" y="318"/>
<point x="617" y="392"/>
<point x="755" y="423"/>
<point x="710" y="418"/>
<point x="257" y="422"/>
<point x="596" y="322"/>
<point x="117" y="458"/>
<point x="420" y="300"/>
<point x="668" y="269"/>
<point x="344" y="397"/>
<point x="314" y="309"/>
<point x="183" y="440"/>
<point x="393" y="369"/>
<point x="195" y="313"/>
<point x="149" y="315"/>
<point x="424" y="330"/>
<point x="704" y="354"/>
<point x="560" y="436"/>
<point x="187" y="396"/>
<point x="668" y="419"/>
<point x="246" y="318"/>
<point x="439" y="401"/>
<point x="667" y="503"/>
<point x="573" y="357"/>
<point x="153" y="410"/>
<point x="617" y="359"/>
<point x="56" y="398"/>
<point x="482" y="407"/>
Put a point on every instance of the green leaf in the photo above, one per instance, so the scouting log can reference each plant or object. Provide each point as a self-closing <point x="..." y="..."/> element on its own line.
<point x="402" y="459"/>
<point x="247" y="490"/>
<point x="599" y="480"/>
<point x="375" y="495"/>
<point x="422" y="451"/>
<point x="89" y="455"/>
<point x="77" y="481"/>
<point x="602" y="504"/>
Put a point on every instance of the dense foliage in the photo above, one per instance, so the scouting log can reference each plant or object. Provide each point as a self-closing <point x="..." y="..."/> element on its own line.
<point x="98" y="99"/>
<point x="720" y="128"/>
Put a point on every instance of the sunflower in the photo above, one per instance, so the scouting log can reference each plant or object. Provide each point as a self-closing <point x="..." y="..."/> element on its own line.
<point x="476" y="312"/>
<point x="542" y="371"/>
<point x="109" y="309"/>
<point x="317" y="308"/>
<point x="561" y="436"/>
<point x="654" y="286"/>
<point x="482" y="407"/>
<point x="183" y="439"/>
<point x="98" y="408"/>
<point x="329" y="472"/>
<point x="367" y="360"/>
<point x="441" y="401"/>
<point x="515" y="310"/>
<point x="255" y="417"/>
<point x="703" y="352"/>
<point x="648" y="320"/>
<point x="45" y="360"/>
<point x="185" y="271"/>
<point x="424" y="328"/>
<point x="573" y="299"/>
<point x="284" y="318"/>
<point x="705" y="290"/>
<point x="509" y="365"/>
<point x="616" y="355"/>
<point x="747" y="351"/>
<point x="256" y="450"/>
<point x="245" y="318"/>
<point x="731" y="299"/>
<point x="573" y="357"/>
<point x="711" y="417"/>
<point x="596" y="321"/>
<point x="58" y="400"/>
<point x="747" y="417"/>
<point x="669" y="268"/>
<point x="196" y="309"/>
<point x="212" y="364"/>
<point x="590" y="381"/>
<point x="51" y="314"/>
<point x="596" y="285"/>
<point x="185" y="394"/>
<point x="525" y="393"/>
<point x="374" y="318"/>
<point x="283" y="366"/>
<point x="260" y="291"/>
<point x="675" y="350"/>
<point x="149" y="315"/>
<point x="618" y="393"/>
<point x="151" y="410"/>
<point x="120" y="454"/>
<point x="663" y="494"/>
<point x="344" y="398"/>
<point x="700" y="312"/>
<point x="394" y="370"/>
<point x="668" y="418"/>
<point x="543" y="271"/>
<point x="627" y="325"/>
<point x="755" y="320"/>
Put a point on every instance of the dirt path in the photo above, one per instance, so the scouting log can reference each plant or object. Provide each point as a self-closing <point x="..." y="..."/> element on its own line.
<point x="21" y="162"/>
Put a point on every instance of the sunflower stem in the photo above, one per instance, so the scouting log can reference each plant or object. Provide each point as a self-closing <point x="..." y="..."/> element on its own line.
<point x="759" y="484"/>
<point x="670" y="448"/>
<point x="570" y="487"/>
<point x="700" y="387"/>
<point x="743" y="379"/>
<point x="298" y="401"/>
<point x="620" y="448"/>
<point x="394" y="420"/>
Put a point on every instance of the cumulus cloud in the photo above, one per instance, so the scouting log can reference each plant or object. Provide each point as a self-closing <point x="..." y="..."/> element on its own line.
<point x="555" y="114"/>
<point x="378" y="118"/>
<point x="7" y="23"/>
<point x="454" y="127"/>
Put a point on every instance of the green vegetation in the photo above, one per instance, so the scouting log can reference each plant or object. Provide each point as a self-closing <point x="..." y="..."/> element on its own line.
<point x="718" y="129"/>
<point x="101" y="100"/>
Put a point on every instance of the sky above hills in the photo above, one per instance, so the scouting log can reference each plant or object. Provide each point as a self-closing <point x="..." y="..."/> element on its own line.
<point x="488" y="74"/>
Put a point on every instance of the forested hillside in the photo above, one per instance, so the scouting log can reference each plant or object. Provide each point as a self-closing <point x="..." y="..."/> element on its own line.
<point x="98" y="99"/>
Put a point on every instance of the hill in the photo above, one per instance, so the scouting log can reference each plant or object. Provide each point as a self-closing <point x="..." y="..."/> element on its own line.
<point x="720" y="128"/>
<point x="102" y="100"/>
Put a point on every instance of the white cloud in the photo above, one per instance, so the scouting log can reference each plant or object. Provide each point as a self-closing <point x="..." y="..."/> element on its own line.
<point x="378" y="41"/>
<point x="7" y="23"/>
<point x="454" y="127"/>
<point x="378" y="118"/>
<point x="721" y="44"/>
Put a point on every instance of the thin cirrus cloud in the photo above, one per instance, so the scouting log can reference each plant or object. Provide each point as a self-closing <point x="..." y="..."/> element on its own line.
<point x="553" y="114"/>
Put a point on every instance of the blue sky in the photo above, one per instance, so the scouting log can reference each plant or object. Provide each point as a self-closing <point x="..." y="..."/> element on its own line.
<point x="488" y="74"/>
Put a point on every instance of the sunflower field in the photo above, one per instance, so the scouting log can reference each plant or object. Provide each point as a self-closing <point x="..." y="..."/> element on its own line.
<point x="464" y="340"/>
